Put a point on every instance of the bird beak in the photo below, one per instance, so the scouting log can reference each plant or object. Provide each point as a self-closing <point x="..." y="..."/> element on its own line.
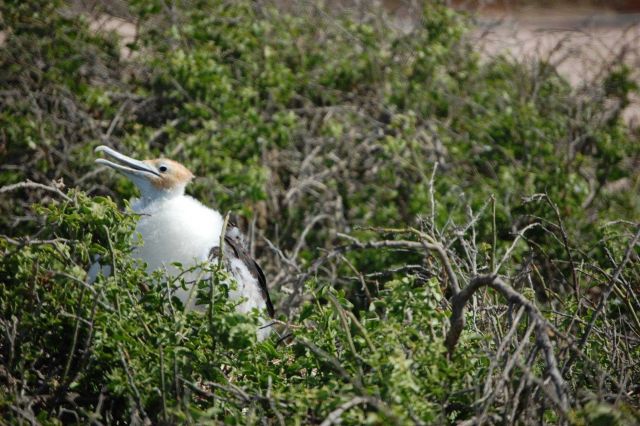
<point x="128" y="166"/>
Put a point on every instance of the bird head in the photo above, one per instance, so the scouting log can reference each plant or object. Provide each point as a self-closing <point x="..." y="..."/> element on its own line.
<point x="157" y="178"/>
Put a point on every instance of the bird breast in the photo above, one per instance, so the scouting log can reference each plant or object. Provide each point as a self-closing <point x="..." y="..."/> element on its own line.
<point x="179" y="229"/>
<point x="183" y="230"/>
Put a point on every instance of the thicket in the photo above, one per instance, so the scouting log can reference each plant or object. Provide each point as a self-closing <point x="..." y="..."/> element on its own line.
<point x="447" y="238"/>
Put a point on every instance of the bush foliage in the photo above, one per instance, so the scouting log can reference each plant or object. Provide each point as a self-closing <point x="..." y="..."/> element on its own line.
<point x="374" y="167"/>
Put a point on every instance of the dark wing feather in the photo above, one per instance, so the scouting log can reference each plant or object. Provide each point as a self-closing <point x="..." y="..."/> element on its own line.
<point x="239" y="251"/>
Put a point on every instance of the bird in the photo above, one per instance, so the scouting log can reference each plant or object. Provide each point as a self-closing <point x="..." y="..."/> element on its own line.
<point x="177" y="228"/>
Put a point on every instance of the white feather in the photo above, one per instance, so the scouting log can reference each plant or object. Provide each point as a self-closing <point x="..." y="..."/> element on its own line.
<point x="181" y="229"/>
<point x="178" y="229"/>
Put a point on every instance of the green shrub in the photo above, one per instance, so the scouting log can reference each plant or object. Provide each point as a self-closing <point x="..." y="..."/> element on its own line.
<point x="331" y="135"/>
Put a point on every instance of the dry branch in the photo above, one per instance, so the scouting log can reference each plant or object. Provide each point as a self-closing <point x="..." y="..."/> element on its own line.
<point x="55" y="188"/>
<point x="334" y="416"/>
<point x="605" y="296"/>
<point x="543" y="342"/>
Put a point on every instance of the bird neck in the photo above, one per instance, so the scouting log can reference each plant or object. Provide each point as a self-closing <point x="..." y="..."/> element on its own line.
<point x="156" y="196"/>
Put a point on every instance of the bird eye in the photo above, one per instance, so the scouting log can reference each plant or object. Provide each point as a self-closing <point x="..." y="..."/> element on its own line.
<point x="162" y="169"/>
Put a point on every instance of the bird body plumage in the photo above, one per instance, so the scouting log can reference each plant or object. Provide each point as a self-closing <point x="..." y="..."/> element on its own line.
<point x="175" y="227"/>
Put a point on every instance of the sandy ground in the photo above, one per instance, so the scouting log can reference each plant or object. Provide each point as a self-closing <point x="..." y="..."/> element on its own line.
<point x="126" y="30"/>
<point x="580" y="43"/>
<point x="577" y="46"/>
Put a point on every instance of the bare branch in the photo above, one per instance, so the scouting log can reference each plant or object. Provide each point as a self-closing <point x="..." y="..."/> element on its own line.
<point x="460" y="300"/>
<point x="334" y="416"/>
<point x="605" y="296"/>
<point x="34" y="185"/>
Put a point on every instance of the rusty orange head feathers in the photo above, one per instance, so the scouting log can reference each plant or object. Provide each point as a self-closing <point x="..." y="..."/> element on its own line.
<point x="171" y="172"/>
<point x="155" y="178"/>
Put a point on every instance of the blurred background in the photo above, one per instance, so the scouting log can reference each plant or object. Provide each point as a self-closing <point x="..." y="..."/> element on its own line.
<point x="580" y="38"/>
